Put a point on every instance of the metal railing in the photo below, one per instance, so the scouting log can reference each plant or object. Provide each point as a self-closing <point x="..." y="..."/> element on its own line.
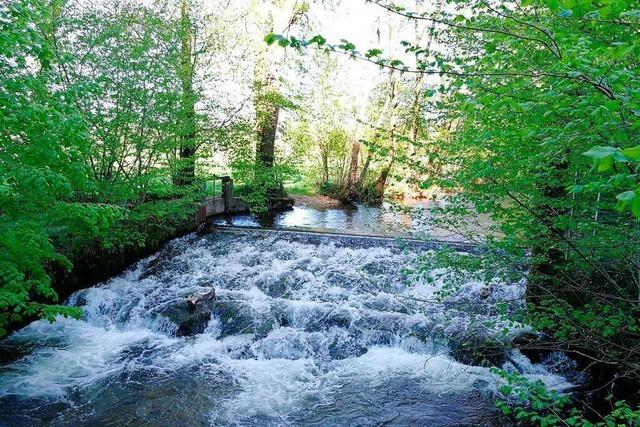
<point x="223" y="190"/>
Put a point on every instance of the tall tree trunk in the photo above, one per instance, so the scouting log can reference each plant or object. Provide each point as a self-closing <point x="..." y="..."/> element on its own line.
<point x="381" y="182"/>
<point x="267" y="112"/>
<point x="186" y="165"/>
<point x="265" y="101"/>
<point x="365" y="170"/>
<point x="353" y="172"/>
<point x="325" y="165"/>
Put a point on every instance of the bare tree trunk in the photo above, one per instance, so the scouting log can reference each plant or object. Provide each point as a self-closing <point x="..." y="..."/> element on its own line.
<point x="365" y="170"/>
<point x="381" y="182"/>
<point x="186" y="164"/>
<point x="325" y="166"/>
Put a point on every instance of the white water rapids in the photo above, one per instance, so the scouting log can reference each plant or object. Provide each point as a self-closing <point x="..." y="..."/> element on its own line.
<point x="304" y="331"/>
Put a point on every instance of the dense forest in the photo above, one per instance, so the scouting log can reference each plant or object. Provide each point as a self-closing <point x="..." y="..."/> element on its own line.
<point x="117" y="115"/>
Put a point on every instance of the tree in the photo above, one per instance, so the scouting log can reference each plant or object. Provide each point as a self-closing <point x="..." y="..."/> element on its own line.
<point x="44" y="148"/>
<point x="188" y="125"/>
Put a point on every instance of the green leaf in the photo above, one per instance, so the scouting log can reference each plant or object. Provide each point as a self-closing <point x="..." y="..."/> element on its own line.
<point x="605" y="164"/>
<point x="627" y="196"/>
<point x="271" y="38"/>
<point x="317" y="39"/>
<point x="600" y="153"/>
<point x="605" y="11"/>
<point x="373" y="53"/>
<point x="283" y="42"/>
<point x="633" y="154"/>
<point x="635" y="207"/>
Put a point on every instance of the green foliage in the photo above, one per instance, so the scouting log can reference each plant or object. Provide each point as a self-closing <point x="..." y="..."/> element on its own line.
<point x="141" y="224"/>
<point x="87" y="120"/>
<point x="333" y="190"/>
<point x="527" y="116"/>
<point x="43" y="174"/>
<point x="365" y="192"/>
<point x="621" y="167"/>
<point x="256" y="184"/>
<point x="532" y="403"/>
<point x="300" y="187"/>
<point x="128" y="92"/>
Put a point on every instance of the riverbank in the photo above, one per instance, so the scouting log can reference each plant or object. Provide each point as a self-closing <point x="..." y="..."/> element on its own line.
<point x="81" y="262"/>
<point x="143" y="230"/>
<point x="317" y="201"/>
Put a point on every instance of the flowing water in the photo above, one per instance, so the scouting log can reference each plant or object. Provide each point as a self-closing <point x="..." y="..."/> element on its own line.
<point x="305" y="330"/>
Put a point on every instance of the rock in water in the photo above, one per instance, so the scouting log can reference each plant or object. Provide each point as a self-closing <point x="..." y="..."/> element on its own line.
<point x="189" y="319"/>
<point x="237" y="317"/>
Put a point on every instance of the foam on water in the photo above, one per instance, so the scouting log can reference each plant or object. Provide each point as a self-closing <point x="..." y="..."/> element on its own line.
<point x="81" y="355"/>
<point x="303" y="332"/>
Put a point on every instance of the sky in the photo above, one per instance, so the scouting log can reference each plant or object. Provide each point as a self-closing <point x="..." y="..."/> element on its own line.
<point x="360" y="23"/>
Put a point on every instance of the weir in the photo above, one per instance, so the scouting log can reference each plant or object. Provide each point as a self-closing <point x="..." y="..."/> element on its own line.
<point x="223" y="203"/>
<point x="354" y="239"/>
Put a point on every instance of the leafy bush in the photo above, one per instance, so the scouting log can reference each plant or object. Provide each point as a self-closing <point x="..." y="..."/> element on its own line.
<point x="44" y="176"/>
<point x="532" y="402"/>
<point x="64" y="183"/>
<point x="257" y="184"/>
<point x="333" y="190"/>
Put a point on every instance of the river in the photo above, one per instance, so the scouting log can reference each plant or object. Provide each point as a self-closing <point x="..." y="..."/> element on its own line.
<point x="306" y="329"/>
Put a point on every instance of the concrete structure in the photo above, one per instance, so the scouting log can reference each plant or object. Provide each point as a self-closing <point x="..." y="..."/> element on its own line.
<point x="226" y="203"/>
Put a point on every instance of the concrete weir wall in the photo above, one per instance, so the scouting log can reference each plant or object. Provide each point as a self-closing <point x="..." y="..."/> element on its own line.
<point x="218" y="205"/>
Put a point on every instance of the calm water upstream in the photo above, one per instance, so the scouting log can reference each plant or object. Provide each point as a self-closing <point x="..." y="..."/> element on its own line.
<point x="305" y="330"/>
<point x="386" y="219"/>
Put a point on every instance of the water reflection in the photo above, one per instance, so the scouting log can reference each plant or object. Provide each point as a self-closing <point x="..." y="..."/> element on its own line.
<point x="357" y="218"/>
